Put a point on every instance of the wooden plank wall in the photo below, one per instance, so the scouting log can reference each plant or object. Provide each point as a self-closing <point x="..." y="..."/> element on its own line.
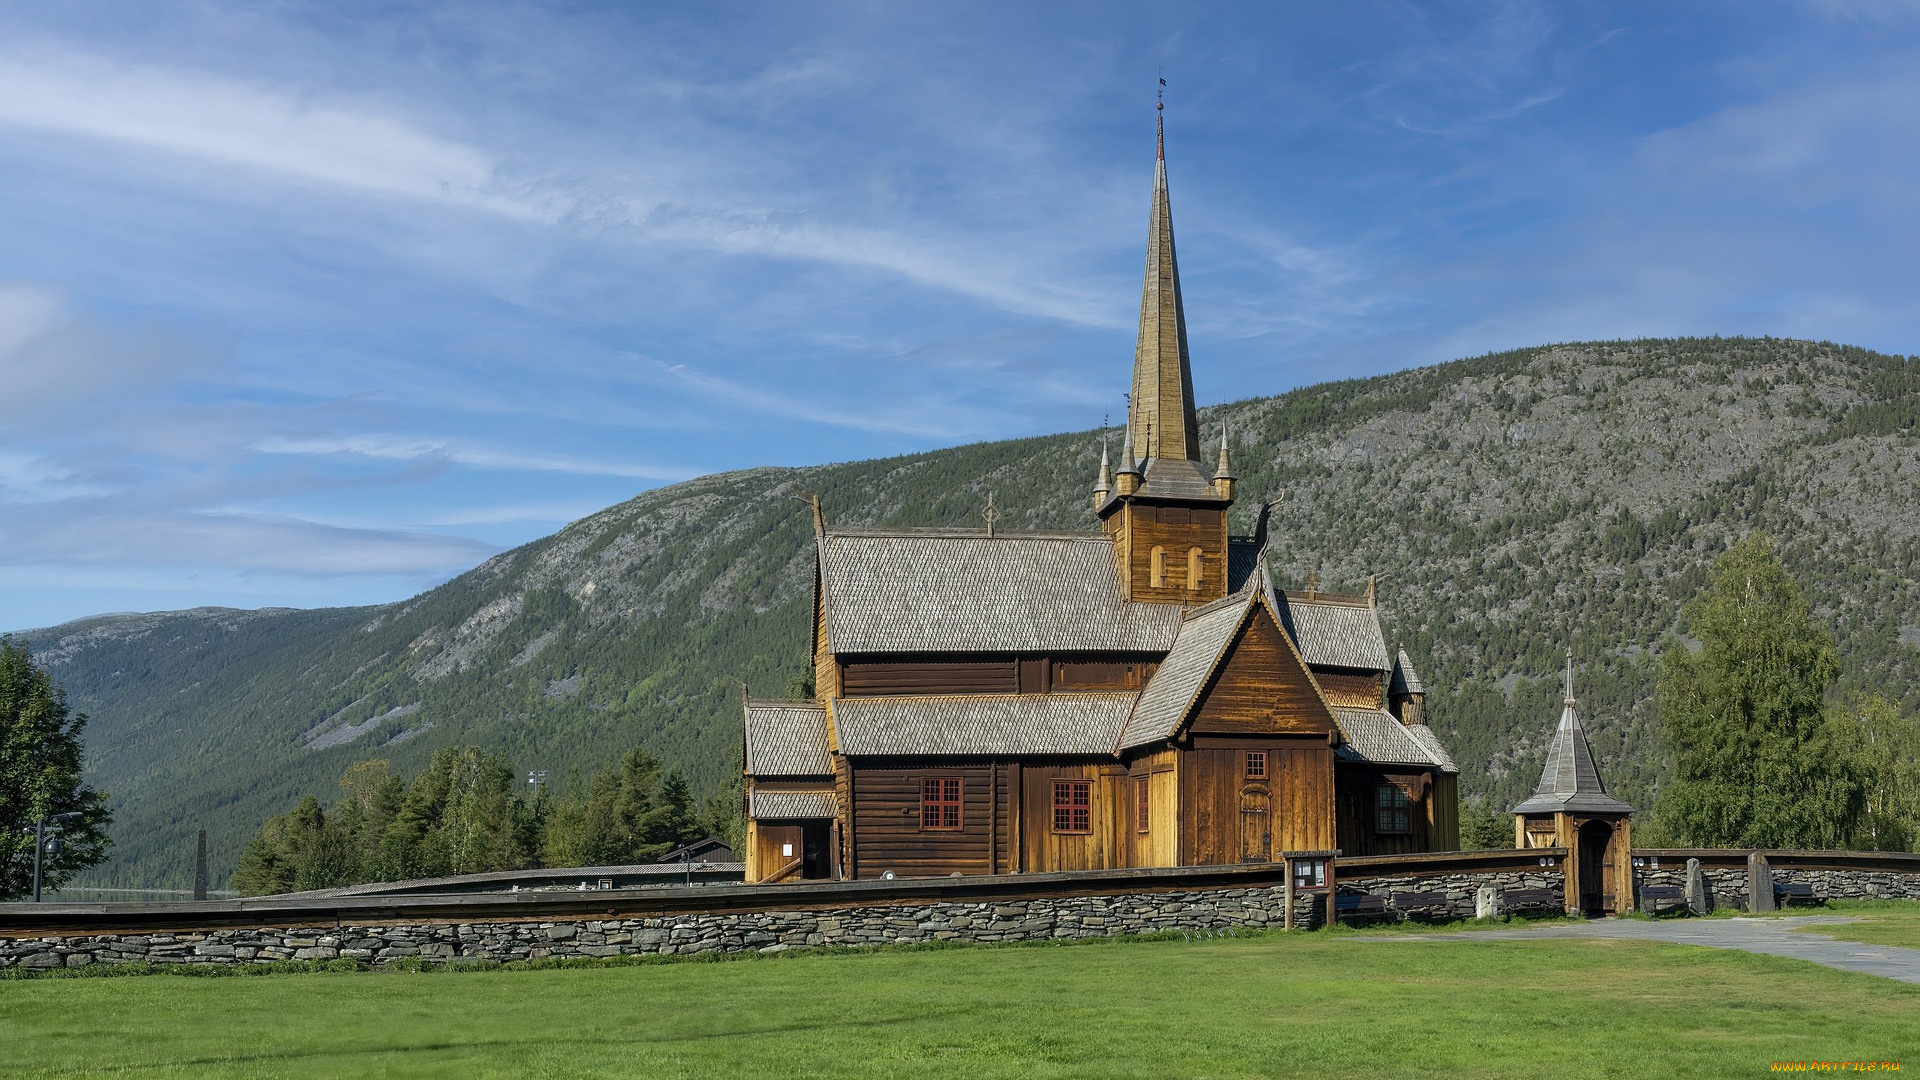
<point x="985" y="673"/>
<point x="1227" y="818"/>
<point x="1443" y="813"/>
<point x="938" y="675"/>
<point x="1138" y="529"/>
<point x="1435" y="819"/>
<point x="886" y="821"/>
<point x="1261" y="688"/>
<point x="826" y="674"/>
<point x="1160" y="844"/>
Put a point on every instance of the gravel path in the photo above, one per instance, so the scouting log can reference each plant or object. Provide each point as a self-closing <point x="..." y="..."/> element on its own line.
<point x="1775" y="937"/>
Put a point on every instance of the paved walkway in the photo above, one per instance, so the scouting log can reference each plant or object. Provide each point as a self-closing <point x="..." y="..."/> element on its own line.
<point x="1774" y="936"/>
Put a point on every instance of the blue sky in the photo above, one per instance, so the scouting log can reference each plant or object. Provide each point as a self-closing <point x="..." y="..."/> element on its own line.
<point x="312" y="304"/>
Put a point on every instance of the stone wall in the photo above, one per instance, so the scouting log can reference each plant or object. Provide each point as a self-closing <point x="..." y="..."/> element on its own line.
<point x="1461" y="889"/>
<point x="1197" y="910"/>
<point x="1727" y="886"/>
<point x="1022" y="920"/>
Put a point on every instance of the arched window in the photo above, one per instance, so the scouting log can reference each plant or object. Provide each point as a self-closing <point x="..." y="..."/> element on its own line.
<point x="1157" y="569"/>
<point x="1193" y="569"/>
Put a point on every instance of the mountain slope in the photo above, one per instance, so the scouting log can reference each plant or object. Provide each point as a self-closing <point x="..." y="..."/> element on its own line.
<point x="1514" y="503"/>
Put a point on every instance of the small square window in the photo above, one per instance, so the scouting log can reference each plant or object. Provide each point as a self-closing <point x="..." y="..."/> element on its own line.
<point x="1256" y="764"/>
<point x="1393" y="810"/>
<point x="1073" y="806"/>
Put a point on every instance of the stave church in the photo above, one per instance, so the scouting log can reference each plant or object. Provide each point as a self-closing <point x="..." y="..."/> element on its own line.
<point x="1136" y="695"/>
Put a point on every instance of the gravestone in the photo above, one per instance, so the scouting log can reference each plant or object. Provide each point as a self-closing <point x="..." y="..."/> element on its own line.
<point x="1759" y="884"/>
<point x="1696" y="888"/>
<point x="1486" y="903"/>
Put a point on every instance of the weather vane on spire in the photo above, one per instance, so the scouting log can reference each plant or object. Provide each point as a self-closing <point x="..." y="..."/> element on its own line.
<point x="1160" y="95"/>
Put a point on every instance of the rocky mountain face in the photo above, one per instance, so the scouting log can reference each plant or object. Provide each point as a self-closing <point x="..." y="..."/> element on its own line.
<point x="1509" y="506"/>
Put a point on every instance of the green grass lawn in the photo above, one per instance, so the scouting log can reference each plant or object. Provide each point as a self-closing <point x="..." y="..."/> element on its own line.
<point x="1324" y="1005"/>
<point x="1882" y="922"/>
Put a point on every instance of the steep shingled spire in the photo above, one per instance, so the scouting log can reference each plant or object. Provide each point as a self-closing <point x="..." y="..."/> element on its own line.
<point x="1103" y="485"/>
<point x="1225" y="471"/>
<point x="1162" y="400"/>
<point x="1570" y="782"/>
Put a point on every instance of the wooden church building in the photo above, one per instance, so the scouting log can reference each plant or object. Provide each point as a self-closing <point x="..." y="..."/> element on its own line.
<point x="1140" y="695"/>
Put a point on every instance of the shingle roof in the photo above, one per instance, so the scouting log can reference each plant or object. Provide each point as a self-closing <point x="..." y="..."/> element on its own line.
<point x="786" y="738"/>
<point x="934" y="592"/>
<point x="1405" y="680"/>
<point x="1336" y="633"/>
<point x="765" y="805"/>
<point x="1204" y="636"/>
<point x="1570" y="781"/>
<point x="1424" y="735"/>
<point x="1374" y="736"/>
<point x="975" y="724"/>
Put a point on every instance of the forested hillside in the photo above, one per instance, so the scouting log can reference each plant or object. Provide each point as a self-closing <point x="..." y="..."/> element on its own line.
<point x="1513" y="503"/>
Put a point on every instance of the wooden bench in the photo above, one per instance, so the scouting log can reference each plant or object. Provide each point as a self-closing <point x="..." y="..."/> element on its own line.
<point x="1423" y="905"/>
<point x="1786" y="892"/>
<point x="1535" y="900"/>
<point x="1356" y="906"/>
<point x="1655" y="899"/>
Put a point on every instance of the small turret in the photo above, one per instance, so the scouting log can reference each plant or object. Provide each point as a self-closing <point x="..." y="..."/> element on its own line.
<point x="1103" y="485"/>
<point x="1127" y="480"/>
<point x="1223" y="477"/>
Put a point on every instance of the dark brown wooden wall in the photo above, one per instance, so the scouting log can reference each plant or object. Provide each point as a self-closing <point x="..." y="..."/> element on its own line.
<point x="1261" y="688"/>
<point x="974" y="673"/>
<point x="934" y="675"/>
<point x="1435" y="818"/>
<point x="886" y="821"/>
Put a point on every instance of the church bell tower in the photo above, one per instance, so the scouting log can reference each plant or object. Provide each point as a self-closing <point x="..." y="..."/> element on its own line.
<point x="1166" y="514"/>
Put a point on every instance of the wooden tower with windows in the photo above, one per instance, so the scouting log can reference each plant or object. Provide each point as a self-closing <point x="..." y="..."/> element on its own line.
<point x="1166" y="514"/>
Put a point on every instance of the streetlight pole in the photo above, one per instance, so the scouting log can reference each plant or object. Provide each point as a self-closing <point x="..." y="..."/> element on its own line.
<point x="44" y="844"/>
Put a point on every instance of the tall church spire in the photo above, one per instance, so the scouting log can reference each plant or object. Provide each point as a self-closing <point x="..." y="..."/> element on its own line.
<point x="1162" y="404"/>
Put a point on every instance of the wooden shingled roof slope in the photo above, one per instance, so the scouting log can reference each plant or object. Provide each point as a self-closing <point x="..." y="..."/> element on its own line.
<point x="906" y="592"/>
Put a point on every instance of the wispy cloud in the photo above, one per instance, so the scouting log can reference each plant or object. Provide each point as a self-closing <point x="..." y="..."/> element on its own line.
<point x="389" y="448"/>
<point x="254" y="125"/>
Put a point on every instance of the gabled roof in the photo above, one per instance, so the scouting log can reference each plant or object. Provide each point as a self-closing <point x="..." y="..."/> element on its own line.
<point x="1405" y="680"/>
<point x="894" y="592"/>
<point x="1375" y="737"/>
<point x="1570" y="782"/>
<point x="979" y="724"/>
<point x="787" y="738"/>
<point x="1336" y="633"/>
<point x="769" y="805"/>
<point x="1204" y="638"/>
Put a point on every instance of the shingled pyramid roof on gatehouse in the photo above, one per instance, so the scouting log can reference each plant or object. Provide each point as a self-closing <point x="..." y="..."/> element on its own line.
<point x="1570" y="783"/>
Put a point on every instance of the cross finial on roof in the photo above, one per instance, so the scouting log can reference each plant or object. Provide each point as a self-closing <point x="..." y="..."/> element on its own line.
<point x="1569" y="674"/>
<point x="991" y="513"/>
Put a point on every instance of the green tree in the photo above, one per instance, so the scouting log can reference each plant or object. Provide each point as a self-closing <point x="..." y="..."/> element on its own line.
<point x="40" y="757"/>
<point x="1884" y="745"/>
<point x="1484" y="828"/>
<point x="1744" y="717"/>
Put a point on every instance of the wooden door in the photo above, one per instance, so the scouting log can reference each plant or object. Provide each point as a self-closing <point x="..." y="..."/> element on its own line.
<point x="1256" y="825"/>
